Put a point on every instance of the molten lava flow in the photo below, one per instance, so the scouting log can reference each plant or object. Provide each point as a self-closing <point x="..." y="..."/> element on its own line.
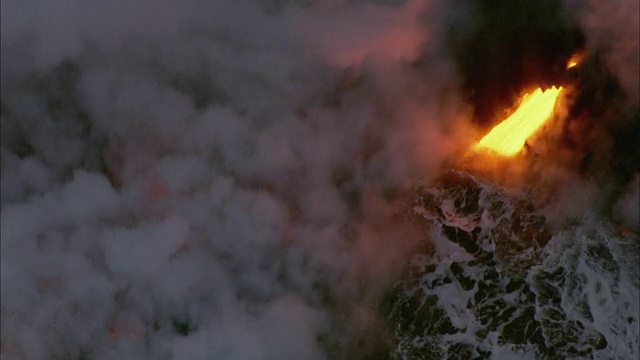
<point x="508" y="137"/>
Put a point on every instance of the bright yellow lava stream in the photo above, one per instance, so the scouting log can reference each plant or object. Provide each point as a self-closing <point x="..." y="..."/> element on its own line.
<point x="508" y="137"/>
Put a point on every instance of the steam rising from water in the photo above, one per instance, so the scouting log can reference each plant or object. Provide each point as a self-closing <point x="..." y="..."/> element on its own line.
<point x="195" y="179"/>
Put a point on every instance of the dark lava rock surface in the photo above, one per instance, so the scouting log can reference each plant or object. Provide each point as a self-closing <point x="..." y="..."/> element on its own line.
<point x="490" y="289"/>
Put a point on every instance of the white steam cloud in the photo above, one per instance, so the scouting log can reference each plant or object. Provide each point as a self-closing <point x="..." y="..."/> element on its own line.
<point x="195" y="179"/>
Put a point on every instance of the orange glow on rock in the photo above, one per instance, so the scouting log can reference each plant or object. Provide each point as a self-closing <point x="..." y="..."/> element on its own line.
<point x="508" y="137"/>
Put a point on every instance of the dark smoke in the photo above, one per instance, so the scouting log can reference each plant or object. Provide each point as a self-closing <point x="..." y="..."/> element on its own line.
<point x="602" y="127"/>
<point x="502" y="47"/>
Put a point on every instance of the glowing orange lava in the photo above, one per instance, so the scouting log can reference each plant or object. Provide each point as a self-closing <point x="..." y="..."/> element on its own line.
<point x="508" y="137"/>
<point x="574" y="61"/>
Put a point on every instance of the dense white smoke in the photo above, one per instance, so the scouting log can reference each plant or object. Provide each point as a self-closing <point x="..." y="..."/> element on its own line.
<point x="196" y="179"/>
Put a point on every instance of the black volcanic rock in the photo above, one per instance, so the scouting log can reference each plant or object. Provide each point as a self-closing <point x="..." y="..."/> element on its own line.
<point x="474" y="214"/>
<point x="499" y="285"/>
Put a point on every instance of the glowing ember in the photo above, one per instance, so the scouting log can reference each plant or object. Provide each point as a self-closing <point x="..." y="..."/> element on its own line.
<point x="508" y="137"/>
<point x="574" y="61"/>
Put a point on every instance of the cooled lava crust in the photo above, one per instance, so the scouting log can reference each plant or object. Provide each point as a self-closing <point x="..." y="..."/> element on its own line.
<point x="493" y="292"/>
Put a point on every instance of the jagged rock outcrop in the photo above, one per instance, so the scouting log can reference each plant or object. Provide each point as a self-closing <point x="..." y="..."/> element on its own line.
<point x="499" y="284"/>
